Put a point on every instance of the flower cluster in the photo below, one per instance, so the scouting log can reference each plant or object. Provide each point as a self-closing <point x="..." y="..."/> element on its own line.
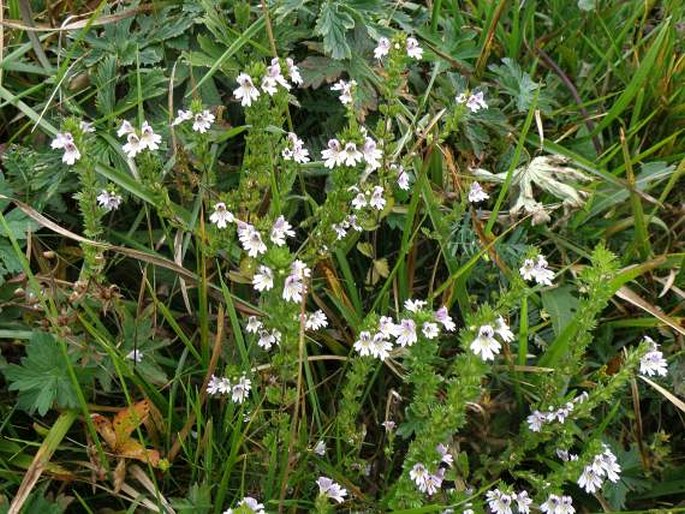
<point x="474" y="101"/>
<point x="604" y="465"/>
<point x="558" y="505"/>
<point x="383" y="48"/>
<point x="65" y="141"/>
<point x="331" y="489"/>
<point x="239" y="390"/>
<point x="485" y="343"/>
<point x="477" y="194"/>
<point x="501" y="502"/>
<point x="295" y="151"/>
<point x="346" y="90"/>
<point x="538" y="418"/>
<point x="537" y="270"/>
<point x="371" y="198"/>
<point x="247" y="92"/>
<point x="341" y="228"/>
<point x="250" y="503"/>
<point x="138" y="141"/>
<point x="426" y="482"/>
<point x="653" y="362"/>
<point x="266" y="338"/>
<point x="347" y="154"/>
<point x="201" y="120"/>
<point x="379" y="344"/>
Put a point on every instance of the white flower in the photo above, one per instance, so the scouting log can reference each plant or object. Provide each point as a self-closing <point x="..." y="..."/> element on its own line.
<point x="499" y="502"/>
<point x="403" y="181"/>
<point x="249" y="503"/>
<point x="296" y="151"/>
<point x="377" y="200"/>
<point x="86" y="127"/>
<point x="218" y="385"/>
<point x="413" y="49"/>
<point x="133" y="145"/>
<point x="293" y="288"/>
<point x="263" y="280"/>
<point x="202" y="121"/>
<point x="442" y="316"/>
<point x="109" y="201"/>
<point x="653" y="362"/>
<point x="135" y="355"/>
<point x="380" y="347"/>
<point x="148" y="138"/>
<point x="382" y="49"/>
<point x="414" y="305"/>
<point x="61" y="139"/>
<point x="316" y="320"/>
<point x="418" y="473"/>
<point x="331" y="489"/>
<point x="433" y="482"/>
<point x="537" y="270"/>
<point x="608" y="464"/>
<point x="406" y="332"/>
<point x="350" y="156"/>
<point x="300" y="269"/>
<point x="251" y="240"/>
<point x="551" y="505"/>
<point x="476" y="102"/>
<point x="387" y="327"/>
<point x="241" y="389"/>
<point x="65" y="141"/>
<point x="359" y="201"/>
<point x="320" y="448"/>
<point x="253" y="325"/>
<point x="280" y="229"/>
<point x="485" y="344"/>
<point x="536" y="420"/>
<point x="476" y="193"/>
<point x="180" y="118"/>
<point x="445" y="455"/>
<point x="388" y="425"/>
<point x="523" y="501"/>
<point x="125" y="129"/>
<point x="331" y="155"/>
<point x="273" y="77"/>
<point x="363" y="344"/>
<point x="430" y="330"/>
<point x="293" y="71"/>
<point x="71" y="154"/>
<point x="503" y="330"/>
<point x="221" y="217"/>
<point x="246" y="92"/>
<point x="267" y="339"/>
<point x="590" y="480"/>
<point x="346" y="90"/>
<point x="372" y="154"/>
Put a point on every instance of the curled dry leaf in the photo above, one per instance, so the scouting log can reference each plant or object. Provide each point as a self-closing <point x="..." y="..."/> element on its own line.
<point x="117" y="434"/>
<point x="550" y="173"/>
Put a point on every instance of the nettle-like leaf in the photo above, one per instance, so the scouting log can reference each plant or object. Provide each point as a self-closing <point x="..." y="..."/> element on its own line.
<point x="520" y="86"/>
<point x="333" y="25"/>
<point x="550" y="173"/>
<point x="42" y="379"/>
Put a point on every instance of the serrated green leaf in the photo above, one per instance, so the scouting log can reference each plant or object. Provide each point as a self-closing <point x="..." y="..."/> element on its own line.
<point x="333" y="25"/>
<point x="42" y="379"/>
